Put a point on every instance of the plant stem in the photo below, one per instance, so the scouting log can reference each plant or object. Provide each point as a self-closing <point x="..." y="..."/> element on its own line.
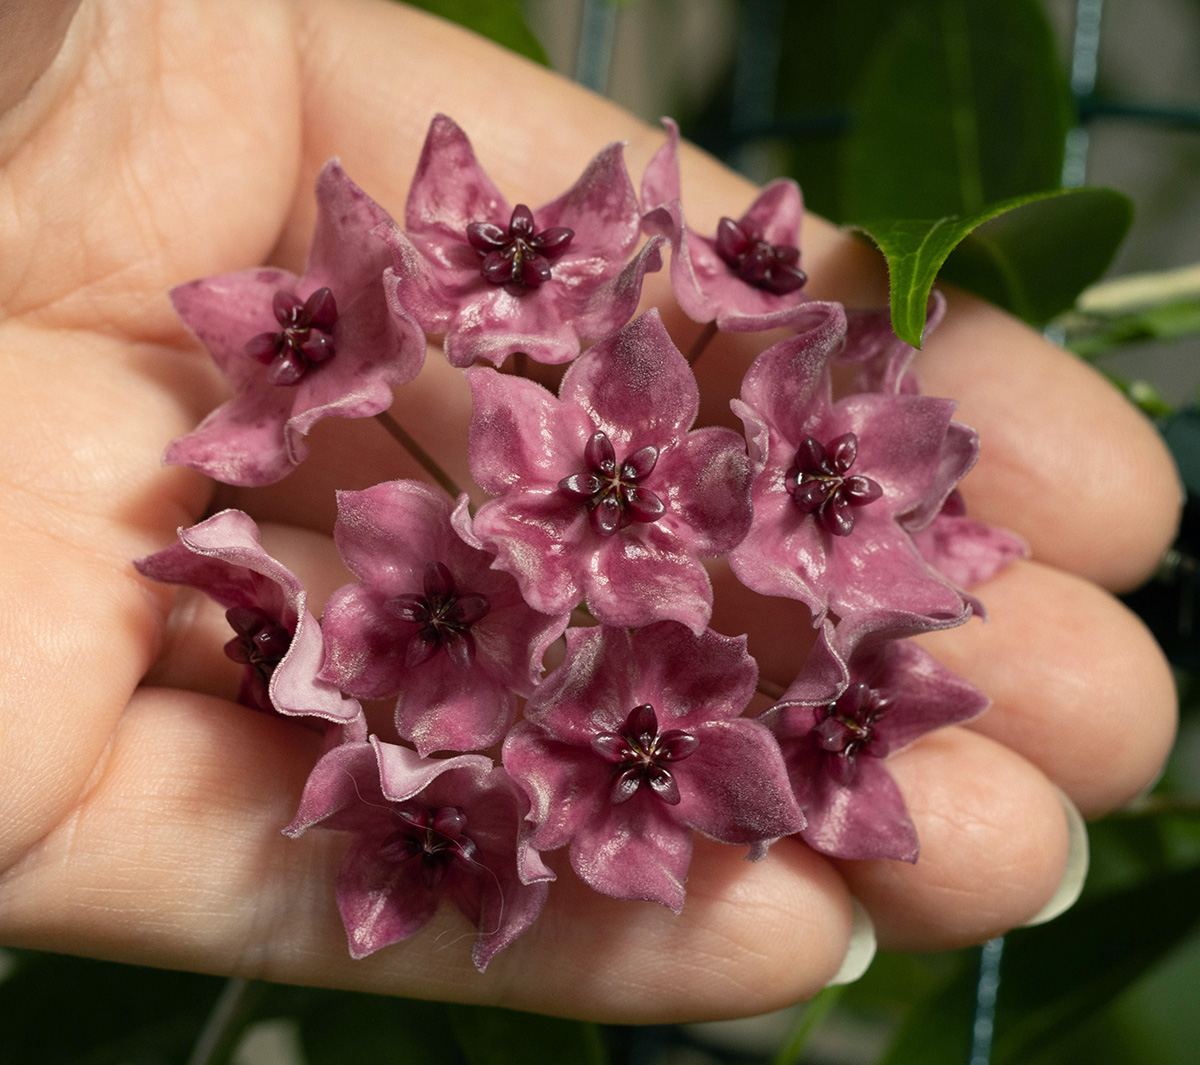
<point x="814" y="1013"/>
<point x="701" y="342"/>
<point x="427" y="462"/>
<point x="770" y="689"/>
<point x="226" y="1023"/>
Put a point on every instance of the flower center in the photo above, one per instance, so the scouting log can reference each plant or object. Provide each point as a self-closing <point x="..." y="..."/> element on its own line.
<point x="847" y="730"/>
<point x="641" y="754"/>
<point x="773" y="267"/>
<point x="260" y="644"/>
<point x="518" y="258"/>
<point x="305" y="339"/>
<point x="818" y="483"/>
<point x="445" y="618"/>
<point x="434" y="838"/>
<point x="612" y="492"/>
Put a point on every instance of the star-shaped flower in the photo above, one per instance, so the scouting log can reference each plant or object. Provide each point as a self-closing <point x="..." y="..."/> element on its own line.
<point x="298" y="349"/>
<point x="603" y="493"/>
<point x="496" y="278"/>
<point x="276" y="640"/>
<point x="423" y="830"/>
<point x="635" y="741"/>
<point x="431" y="621"/>
<point x="840" y="486"/>
<point x="747" y="277"/>
<point x="835" y="751"/>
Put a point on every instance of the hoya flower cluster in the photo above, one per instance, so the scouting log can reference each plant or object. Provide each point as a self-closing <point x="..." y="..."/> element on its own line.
<point x="454" y="759"/>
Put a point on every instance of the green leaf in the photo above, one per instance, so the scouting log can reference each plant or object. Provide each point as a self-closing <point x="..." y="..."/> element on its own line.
<point x="963" y="104"/>
<point x="1091" y="335"/>
<point x="1031" y="254"/>
<point x="498" y="20"/>
<point x="491" y="1036"/>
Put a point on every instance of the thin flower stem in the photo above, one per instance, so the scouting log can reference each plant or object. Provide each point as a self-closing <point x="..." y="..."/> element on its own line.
<point x="701" y="342"/>
<point x="814" y="1013"/>
<point x="225" y="1024"/>
<point x="427" y="462"/>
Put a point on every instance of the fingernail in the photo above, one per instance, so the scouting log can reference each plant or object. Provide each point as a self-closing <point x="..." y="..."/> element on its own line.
<point x="1077" y="866"/>
<point x="862" y="947"/>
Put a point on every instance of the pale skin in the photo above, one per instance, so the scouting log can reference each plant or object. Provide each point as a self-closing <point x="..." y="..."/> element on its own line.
<point x="140" y="808"/>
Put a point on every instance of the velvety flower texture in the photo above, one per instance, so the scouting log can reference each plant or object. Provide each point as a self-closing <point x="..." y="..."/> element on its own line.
<point x="276" y="639"/>
<point x="745" y="278"/>
<point x="298" y="349"/>
<point x="498" y="279"/>
<point x="822" y="533"/>
<point x="423" y="830"/>
<point x="603" y="493"/>
<point x="430" y="620"/>
<point x="835" y="751"/>
<point x="635" y="741"/>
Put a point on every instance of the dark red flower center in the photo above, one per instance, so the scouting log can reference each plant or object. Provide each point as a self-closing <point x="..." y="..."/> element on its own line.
<point x="260" y="644"/>
<point x="435" y="839"/>
<point x="773" y="267"/>
<point x="305" y="339"/>
<point x="642" y="755"/>
<point x="612" y="491"/>
<point x="819" y="485"/>
<point x="444" y="617"/>
<point x="846" y="730"/>
<point x="518" y="257"/>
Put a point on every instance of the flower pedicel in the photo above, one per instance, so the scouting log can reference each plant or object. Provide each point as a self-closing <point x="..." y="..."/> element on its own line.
<point x="605" y="500"/>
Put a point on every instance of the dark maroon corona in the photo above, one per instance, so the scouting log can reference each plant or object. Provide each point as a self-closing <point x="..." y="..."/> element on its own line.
<point x="612" y="491"/>
<point x="518" y="258"/>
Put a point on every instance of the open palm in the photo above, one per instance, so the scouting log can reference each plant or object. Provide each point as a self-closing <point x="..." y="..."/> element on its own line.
<point x="140" y="808"/>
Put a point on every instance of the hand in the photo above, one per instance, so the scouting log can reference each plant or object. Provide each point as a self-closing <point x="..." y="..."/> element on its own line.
<point x="140" y="808"/>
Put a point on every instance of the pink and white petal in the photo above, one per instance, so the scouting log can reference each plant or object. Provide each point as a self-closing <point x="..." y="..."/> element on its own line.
<point x="867" y="819"/>
<point x="734" y="786"/>
<point x="635" y="386"/>
<point x="226" y="311"/>
<point x="413" y="287"/>
<point x="601" y="207"/>
<point x="634" y="851"/>
<point x="824" y="675"/>
<point x="707" y="478"/>
<point x="537" y="537"/>
<point x="442" y="707"/>
<point x="562" y="782"/>
<point x="690" y="679"/>
<point x="520" y="435"/>
<point x="509" y="912"/>
<point x="450" y="191"/>
<point x="243" y="441"/>
<point x="404" y="773"/>
<point x="778" y="210"/>
<point x="660" y="181"/>
<point x="494" y="324"/>
<point x="295" y="687"/>
<point x="637" y="578"/>
<point x="232" y="536"/>
<point x="789" y="381"/>
<point x="345" y="253"/>
<point x="968" y="552"/>
<point x="365" y="643"/>
<point x="960" y="449"/>
<point x="783" y="553"/>
<point x="381" y="902"/>
<point x="608" y="306"/>
<point x="592" y="691"/>
<point x="514" y="638"/>
<point x="341" y="792"/>
<point x="387" y="534"/>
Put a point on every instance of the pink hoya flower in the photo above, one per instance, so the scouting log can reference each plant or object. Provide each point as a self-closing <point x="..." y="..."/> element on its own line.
<point x="430" y="621"/>
<point x="747" y="277"/>
<point x="882" y="359"/>
<point x="276" y="640"/>
<point x="423" y="830"/>
<point x="603" y="493"/>
<point x="298" y="349"/>
<point x="841" y="486"/>
<point x="835" y="750"/>
<point x="498" y="279"/>
<point x="635" y="741"/>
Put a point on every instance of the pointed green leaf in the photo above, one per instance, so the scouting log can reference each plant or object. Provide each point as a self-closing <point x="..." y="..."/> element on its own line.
<point x="1032" y="254"/>
<point x="491" y="1036"/>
